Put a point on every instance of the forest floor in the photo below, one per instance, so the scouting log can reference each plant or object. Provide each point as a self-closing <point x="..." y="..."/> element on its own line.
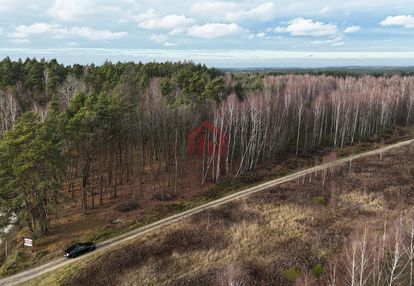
<point x="106" y="221"/>
<point x="275" y="237"/>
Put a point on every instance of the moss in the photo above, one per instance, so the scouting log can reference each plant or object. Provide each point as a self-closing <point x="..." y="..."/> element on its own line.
<point x="291" y="274"/>
<point x="318" y="271"/>
<point x="319" y="200"/>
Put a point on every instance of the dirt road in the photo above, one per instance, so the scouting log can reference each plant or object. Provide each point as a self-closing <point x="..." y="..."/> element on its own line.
<point x="116" y="241"/>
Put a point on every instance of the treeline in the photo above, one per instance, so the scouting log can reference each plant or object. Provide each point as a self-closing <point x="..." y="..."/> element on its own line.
<point x="126" y="126"/>
<point x="110" y="123"/>
<point x="30" y="84"/>
<point x="357" y="71"/>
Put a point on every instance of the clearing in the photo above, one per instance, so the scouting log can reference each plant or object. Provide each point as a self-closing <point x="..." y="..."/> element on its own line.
<point x="278" y="237"/>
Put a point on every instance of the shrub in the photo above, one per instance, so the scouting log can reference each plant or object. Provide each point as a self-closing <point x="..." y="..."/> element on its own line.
<point x="319" y="200"/>
<point x="127" y="207"/>
<point x="234" y="275"/>
<point x="164" y="197"/>
<point x="318" y="271"/>
<point x="15" y="263"/>
<point x="291" y="274"/>
<point x="193" y="239"/>
<point x="230" y="214"/>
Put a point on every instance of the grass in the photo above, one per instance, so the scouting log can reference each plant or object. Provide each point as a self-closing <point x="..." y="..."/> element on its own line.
<point x="267" y="239"/>
<point x="58" y="276"/>
<point x="291" y="274"/>
<point x="16" y="262"/>
<point x="14" y="265"/>
<point x="319" y="200"/>
<point x="216" y="191"/>
<point x="318" y="271"/>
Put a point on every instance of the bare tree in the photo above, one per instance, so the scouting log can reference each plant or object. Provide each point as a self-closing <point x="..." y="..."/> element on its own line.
<point x="8" y="110"/>
<point x="69" y="88"/>
<point x="409" y="249"/>
<point x="396" y="264"/>
<point x="234" y="276"/>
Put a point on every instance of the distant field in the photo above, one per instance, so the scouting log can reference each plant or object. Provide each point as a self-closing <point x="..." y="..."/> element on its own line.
<point x="346" y="70"/>
<point x="300" y="231"/>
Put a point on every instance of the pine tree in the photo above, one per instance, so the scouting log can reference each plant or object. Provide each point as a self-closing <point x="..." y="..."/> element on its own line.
<point x="31" y="165"/>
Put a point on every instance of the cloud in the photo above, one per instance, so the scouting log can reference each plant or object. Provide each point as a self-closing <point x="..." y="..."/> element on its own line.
<point x="19" y="41"/>
<point x="169" y="45"/>
<point x="183" y="25"/>
<point x="217" y="8"/>
<point x="214" y="30"/>
<point x="338" y="44"/>
<point x="92" y="34"/>
<point x="261" y="35"/>
<point x="18" y="5"/>
<point x="158" y="38"/>
<point x="335" y="42"/>
<point x="23" y="32"/>
<point x="5" y="5"/>
<point x="352" y="29"/>
<point x="406" y="21"/>
<point x="162" y="39"/>
<point x="150" y="20"/>
<point x="325" y="10"/>
<point x="307" y="27"/>
<point x="177" y="31"/>
<point x="234" y="12"/>
<point x="71" y="10"/>
<point x="263" y="12"/>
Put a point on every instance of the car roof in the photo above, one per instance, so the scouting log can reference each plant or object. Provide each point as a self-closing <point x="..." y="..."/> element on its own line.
<point x="73" y="246"/>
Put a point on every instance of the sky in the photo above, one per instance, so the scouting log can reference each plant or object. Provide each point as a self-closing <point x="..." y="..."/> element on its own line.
<point x="253" y="33"/>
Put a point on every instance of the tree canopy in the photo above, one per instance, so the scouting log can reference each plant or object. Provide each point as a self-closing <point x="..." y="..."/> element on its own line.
<point x="31" y="166"/>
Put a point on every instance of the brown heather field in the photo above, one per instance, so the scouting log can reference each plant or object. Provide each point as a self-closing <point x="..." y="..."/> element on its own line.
<point x="306" y="232"/>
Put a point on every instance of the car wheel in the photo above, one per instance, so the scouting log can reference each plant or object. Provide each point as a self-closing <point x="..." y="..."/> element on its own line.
<point x="74" y="256"/>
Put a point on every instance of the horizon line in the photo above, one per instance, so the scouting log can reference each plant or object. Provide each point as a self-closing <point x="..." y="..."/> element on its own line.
<point x="221" y="58"/>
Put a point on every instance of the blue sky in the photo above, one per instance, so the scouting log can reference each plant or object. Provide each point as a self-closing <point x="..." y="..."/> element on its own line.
<point x="254" y="33"/>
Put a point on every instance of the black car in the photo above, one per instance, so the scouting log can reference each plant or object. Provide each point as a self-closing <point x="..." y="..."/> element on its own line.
<point x="79" y="249"/>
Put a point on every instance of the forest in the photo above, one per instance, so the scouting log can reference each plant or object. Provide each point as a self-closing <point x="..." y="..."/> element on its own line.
<point x="90" y="131"/>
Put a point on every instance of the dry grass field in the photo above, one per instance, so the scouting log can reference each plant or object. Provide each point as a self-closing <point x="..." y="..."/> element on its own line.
<point x="69" y="226"/>
<point x="297" y="234"/>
